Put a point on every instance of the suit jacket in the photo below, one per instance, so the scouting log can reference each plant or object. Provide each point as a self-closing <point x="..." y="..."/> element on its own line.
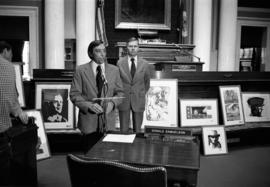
<point x="84" y="89"/>
<point x="135" y="89"/>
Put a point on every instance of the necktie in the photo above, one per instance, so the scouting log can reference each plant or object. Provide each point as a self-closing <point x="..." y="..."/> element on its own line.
<point x="133" y="67"/>
<point x="99" y="80"/>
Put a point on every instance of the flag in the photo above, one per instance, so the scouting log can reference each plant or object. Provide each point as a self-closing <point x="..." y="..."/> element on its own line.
<point x="100" y="22"/>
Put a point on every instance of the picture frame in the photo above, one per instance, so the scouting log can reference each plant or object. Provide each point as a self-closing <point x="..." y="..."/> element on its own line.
<point x="151" y="14"/>
<point x="42" y="148"/>
<point x="214" y="140"/>
<point x="198" y="112"/>
<point x="256" y="106"/>
<point x="161" y="103"/>
<point x="52" y="98"/>
<point x="231" y="104"/>
<point x="19" y="83"/>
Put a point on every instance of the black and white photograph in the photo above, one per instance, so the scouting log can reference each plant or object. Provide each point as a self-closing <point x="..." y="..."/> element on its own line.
<point x="53" y="101"/>
<point x="186" y="83"/>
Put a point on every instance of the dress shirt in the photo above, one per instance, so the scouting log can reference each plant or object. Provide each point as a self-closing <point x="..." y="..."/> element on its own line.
<point x="95" y="65"/>
<point x="129" y="62"/>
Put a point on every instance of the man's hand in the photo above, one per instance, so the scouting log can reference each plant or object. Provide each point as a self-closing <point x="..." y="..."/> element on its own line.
<point x="109" y="108"/>
<point x="23" y="117"/>
<point x="96" y="108"/>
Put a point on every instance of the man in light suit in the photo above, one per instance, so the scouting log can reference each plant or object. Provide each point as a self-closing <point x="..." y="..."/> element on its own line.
<point x="96" y="79"/>
<point x="135" y="87"/>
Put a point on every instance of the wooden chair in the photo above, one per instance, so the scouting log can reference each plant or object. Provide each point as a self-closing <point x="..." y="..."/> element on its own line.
<point x="104" y="173"/>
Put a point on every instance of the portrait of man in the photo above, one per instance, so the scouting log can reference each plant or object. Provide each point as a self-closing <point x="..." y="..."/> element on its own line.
<point x="55" y="105"/>
<point x="213" y="140"/>
<point x="256" y="106"/>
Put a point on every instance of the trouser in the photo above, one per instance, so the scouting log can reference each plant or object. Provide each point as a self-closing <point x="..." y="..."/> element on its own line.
<point x="5" y="159"/>
<point x="137" y="119"/>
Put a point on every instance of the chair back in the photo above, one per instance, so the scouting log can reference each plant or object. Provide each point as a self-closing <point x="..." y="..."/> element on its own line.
<point x="104" y="173"/>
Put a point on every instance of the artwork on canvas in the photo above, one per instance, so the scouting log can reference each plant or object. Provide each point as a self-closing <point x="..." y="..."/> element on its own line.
<point x="141" y="14"/>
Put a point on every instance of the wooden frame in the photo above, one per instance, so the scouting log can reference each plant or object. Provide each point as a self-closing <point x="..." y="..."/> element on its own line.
<point x="43" y="150"/>
<point x="53" y="100"/>
<point x="198" y="112"/>
<point x="214" y="140"/>
<point x="231" y="103"/>
<point x="19" y="84"/>
<point x="131" y="14"/>
<point x="253" y="21"/>
<point x="256" y="106"/>
<point x="161" y="103"/>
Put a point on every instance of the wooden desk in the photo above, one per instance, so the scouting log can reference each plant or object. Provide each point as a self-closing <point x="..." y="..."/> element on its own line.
<point x="180" y="159"/>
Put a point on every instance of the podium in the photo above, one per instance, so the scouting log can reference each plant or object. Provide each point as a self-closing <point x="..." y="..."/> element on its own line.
<point x="23" y="162"/>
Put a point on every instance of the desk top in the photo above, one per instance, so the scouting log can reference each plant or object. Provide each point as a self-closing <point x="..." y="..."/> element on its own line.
<point x="149" y="153"/>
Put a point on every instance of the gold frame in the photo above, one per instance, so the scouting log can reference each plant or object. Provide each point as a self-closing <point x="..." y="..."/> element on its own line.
<point x="166" y="25"/>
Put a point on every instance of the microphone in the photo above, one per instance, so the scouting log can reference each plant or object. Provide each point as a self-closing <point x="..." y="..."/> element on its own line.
<point x="181" y="48"/>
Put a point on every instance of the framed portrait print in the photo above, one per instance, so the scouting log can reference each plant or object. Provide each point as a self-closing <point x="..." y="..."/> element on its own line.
<point x="42" y="147"/>
<point x="231" y="104"/>
<point x="56" y="108"/>
<point x="141" y="14"/>
<point x="161" y="103"/>
<point x="198" y="112"/>
<point x="256" y="106"/>
<point x="214" y="140"/>
<point x="19" y="84"/>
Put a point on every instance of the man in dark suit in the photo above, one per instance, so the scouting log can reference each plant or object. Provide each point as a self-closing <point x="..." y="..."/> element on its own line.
<point x="96" y="80"/>
<point x="135" y="75"/>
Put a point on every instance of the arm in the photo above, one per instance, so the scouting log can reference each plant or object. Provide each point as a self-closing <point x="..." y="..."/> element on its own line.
<point x="14" y="102"/>
<point x="117" y="92"/>
<point x="147" y="77"/>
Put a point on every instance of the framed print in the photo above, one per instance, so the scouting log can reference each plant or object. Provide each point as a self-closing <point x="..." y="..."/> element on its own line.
<point x="256" y="106"/>
<point x="231" y="104"/>
<point x="19" y="84"/>
<point x="141" y="14"/>
<point x="161" y="103"/>
<point x="214" y="140"/>
<point x="198" y="112"/>
<point x="42" y="147"/>
<point x="56" y="108"/>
